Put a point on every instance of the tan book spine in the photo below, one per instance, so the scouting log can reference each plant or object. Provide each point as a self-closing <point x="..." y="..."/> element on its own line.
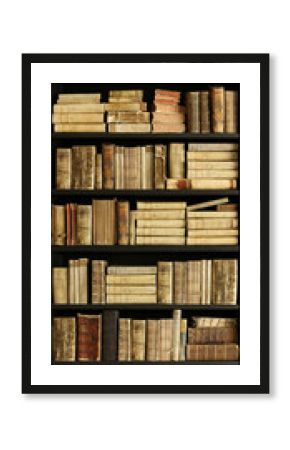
<point x="99" y="171"/>
<point x="123" y="223"/>
<point x="216" y="174"/>
<point x="218" y="110"/>
<point x="125" y="340"/>
<point x="126" y="106"/>
<point x="168" y="93"/>
<point x="208" y="204"/>
<point x="125" y="100"/>
<point x="129" y="128"/>
<point x="132" y="228"/>
<point x="94" y="97"/>
<point x="193" y="112"/>
<point x="228" y="207"/>
<point x="160" y="240"/>
<point x="217" y="240"/>
<point x="183" y="339"/>
<point x="212" y="352"/>
<point x="83" y="272"/>
<point x="231" y="100"/>
<point x="212" y="146"/>
<point x="76" y="266"/>
<point x="161" y="205"/>
<point x="212" y="214"/>
<point x="213" y="183"/>
<point x="128" y="117"/>
<point x="104" y="222"/>
<point x="158" y="341"/>
<point x="211" y="224"/>
<point x="160" y="166"/>
<point x="212" y="156"/>
<point x="147" y="289"/>
<point x="176" y="335"/>
<point x="63" y="168"/>
<point x="201" y="233"/>
<point x="148" y="223"/>
<point x="160" y="214"/>
<point x="131" y="299"/>
<point x="64" y="339"/>
<point x="108" y="166"/>
<point x="59" y="225"/>
<point x="77" y="118"/>
<point x="79" y="108"/>
<point x="83" y="167"/>
<point x="79" y="128"/>
<point x="160" y="231"/>
<point x="84" y="225"/>
<point x="71" y="278"/>
<point x="212" y="165"/>
<point x="214" y="322"/>
<point x="204" y="112"/>
<point x="180" y="282"/>
<point x="59" y="285"/>
<point x="151" y="340"/>
<point x="165" y="280"/>
<point x="164" y="108"/>
<point x="132" y="270"/>
<point x="147" y="167"/>
<point x="159" y="117"/>
<point x="166" y="341"/>
<point x="168" y="128"/>
<point x="176" y="160"/>
<point x="73" y="210"/>
<point x="138" y="340"/>
<point x="175" y="183"/>
<point x="127" y="93"/>
<point x="119" y="167"/>
<point x="194" y="282"/>
<point x="99" y="281"/>
<point x="131" y="279"/>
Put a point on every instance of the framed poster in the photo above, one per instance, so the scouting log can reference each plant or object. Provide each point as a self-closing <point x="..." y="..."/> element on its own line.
<point x="145" y="223"/>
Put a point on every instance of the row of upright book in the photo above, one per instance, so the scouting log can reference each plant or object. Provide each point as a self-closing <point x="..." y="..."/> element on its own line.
<point x="125" y="111"/>
<point x="112" y="222"/>
<point x="176" y="166"/>
<point x="108" y="337"/>
<point x="196" y="282"/>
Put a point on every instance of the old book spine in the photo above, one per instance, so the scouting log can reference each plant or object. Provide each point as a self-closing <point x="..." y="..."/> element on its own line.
<point x="71" y="278"/>
<point x="84" y="224"/>
<point x="176" y="335"/>
<point x="76" y="266"/>
<point x="212" y="335"/>
<point x="64" y="339"/>
<point x="212" y="224"/>
<point x="131" y="299"/>
<point x="99" y="281"/>
<point x="175" y="183"/>
<point x="73" y="223"/>
<point x="207" y="204"/>
<point x="138" y="340"/>
<point x="59" y="285"/>
<point x="129" y="128"/>
<point x="88" y="166"/>
<point x="159" y="117"/>
<point x="231" y="101"/>
<point x="108" y="166"/>
<point x="127" y="93"/>
<point x="123" y="223"/>
<point x="162" y="223"/>
<point x="160" y="214"/>
<point x="79" y="128"/>
<point x="89" y="337"/>
<point x="204" y="112"/>
<point x="212" y="352"/>
<point x="218" y="111"/>
<point x="79" y="98"/>
<point x="160" y="240"/>
<point x="118" y="167"/>
<point x="208" y="233"/>
<point x="78" y="118"/>
<point x="160" y="166"/>
<point x="193" y="112"/>
<point x="212" y="156"/>
<point x="128" y="117"/>
<point x="151" y="339"/>
<point x="131" y="279"/>
<point x="166" y="335"/>
<point x="125" y="340"/>
<point x="104" y="222"/>
<point x="68" y="224"/>
<point x="110" y="335"/>
<point x="179" y="282"/>
<point x="132" y="270"/>
<point x="168" y="127"/>
<point x="160" y="231"/>
<point x="128" y="289"/>
<point x="183" y="339"/>
<point x="126" y="106"/>
<point x="79" y="108"/>
<point x="63" y="168"/>
<point x="165" y="280"/>
<point x="194" y="282"/>
<point x="165" y="108"/>
<point x="132" y="219"/>
<point x="216" y="174"/>
<point x="177" y="160"/>
<point x="83" y="268"/>
<point x="228" y="207"/>
<point x="161" y="205"/>
<point x="212" y="214"/>
<point x="212" y="240"/>
<point x="212" y="147"/>
<point x="58" y="225"/>
<point x="147" y="167"/>
<point x="212" y="165"/>
<point x="214" y="322"/>
<point x="99" y="171"/>
<point x="213" y="183"/>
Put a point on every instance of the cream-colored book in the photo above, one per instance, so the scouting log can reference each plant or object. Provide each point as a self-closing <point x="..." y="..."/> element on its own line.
<point x="160" y="240"/>
<point x="138" y="340"/>
<point x="79" y="108"/>
<point x="160" y="214"/>
<point x="212" y="165"/>
<point x="131" y="279"/>
<point x="161" y="205"/>
<point x="151" y="339"/>
<point x="211" y="224"/>
<point x="165" y="282"/>
<point x="227" y="174"/>
<point x="210" y="203"/>
<point x="83" y="274"/>
<point x="58" y="225"/>
<point x="215" y="147"/>
<point x="132" y="225"/>
<point x="160" y="231"/>
<point x="131" y="290"/>
<point x="231" y="125"/>
<point x="132" y="270"/>
<point x="126" y="106"/>
<point x="84" y="224"/>
<point x="148" y="223"/>
<point x="147" y="167"/>
<point x="128" y="117"/>
<point x="71" y="281"/>
<point x="80" y="128"/>
<point x="176" y="334"/>
<point x="176" y="160"/>
<point x="77" y="280"/>
<point x="129" y="128"/>
<point x="127" y="93"/>
<point x="212" y="214"/>
<point x="99" y="171"/>
<point x="78" y="118"/>
<point x="177" y="183"/>
<point x="125" y="340"/>
<point x="212" y="156"/>
<point x="63" y="168"/>
<point x="59" y="285"/>
<point x="135" y="99"/>
<point x="219" y="232"/>
<point x="131" y="299"/>
<point x="94" y="97"/>
<point x="99" y="281"/>
<point x="217" y="240"/>
<point x="213" y="183"/>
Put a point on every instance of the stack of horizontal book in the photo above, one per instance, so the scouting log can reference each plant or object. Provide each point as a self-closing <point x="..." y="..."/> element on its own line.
<point x="159" y="223"/>
<point x="70" y="285"/>
<point x="126" y="112"/>
<point x="168" y="115"/>
<point x="212" y="165"/>
<point x="212" y="339"/>
<point x="79" y="113"/>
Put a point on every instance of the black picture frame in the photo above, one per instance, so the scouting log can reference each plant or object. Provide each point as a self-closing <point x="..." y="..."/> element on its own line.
<point x="27" y="61"/>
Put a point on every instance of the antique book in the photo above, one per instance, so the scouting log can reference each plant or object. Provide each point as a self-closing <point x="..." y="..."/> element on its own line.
<point x="231" y="101"/>
<point x="180" y="282"/>
<point x="104" y="222"/>
<point x="131" y="298"/>
<point x="138" y="279"/>
<point x="205" y="321"/>
<point x="126" y="106"/>
<point x="71" y="281"/>
<point x="176" y="117"/>
<point x="147" y="167"/>
<point x="89" y="337"/>
<point x="108" y="166"/>
<point x="84" y="225"/>
<point x="175" y="183"/>
<point x="132" y="270"/>
<point x="160" y="166"/>
<point x="228" y="207"/>
<point x="110" y="335"/>
<point x="213" y="183"/>
<point x="77" y="118"/>
<point x="161" y="223"/>
<point x="138" y="340"/>
<point x="129" y="128"/>
<point x="212" y="165"/>
<point x="68" y="224"/>
<point x="99" y="281"/>
<point x="131" y="289"/>
<point x="80" y="127"/>
<point x="83" y="167"/>
<point x="183" y="339"/>
<point x="212" y="147"/>
<point x="160" y="231"/>
<point x="119" y="174"/>
<point x="222" y="232"/>
<point x="165" y="282"/>
<point x="135" y="99"/>
<point x="168" y="127"/>
<point x="193" y="282"/>
<point x="212" y="335"/>
<point x="204" y="112"/>
<point x="127" y="93"/>
<point x="151" y="338"/>
<point x="64" y="339"/>
<point x="128" y="117"/>
<point x="212" y="352"/>
<point x="73" y="223"/>
<point x="160" y="214"/>
<point x="176" y="160"/>
<point x="207" y="204"/>
<point x="225" y="281"/>
<point x="83" y="280"/>
<point x="79" y="108"/>
<point x="218" y="109"/>
<point x="212" y="240"/>
<point x="76" y="267"/>
<point x="161" y="205"/>
<point x="206" y="282"/>
<point x="94" y="97"/>
<point x="58" y="224"/>
<point x="123" y="223"/>
<point x="125" y="340"/>
<point x="213" y="224"/>
<point x="168" y="93"/>
<point x="166" y="335"/>
<point x="193" y="112"/>
<point x="212" y="214"/>
<point x="63" y="168"/>
<point x="212" y="156"/>
<point x="132" y="227"/>
<point x="160" y="240"/>
<point x="99" y="171"/>
<point x="59" y="285"/>
<point x="168" y="108"/>
<point x="176" y="327"/>
<point x="216" y="174"/>
<point x="132" y="172"/>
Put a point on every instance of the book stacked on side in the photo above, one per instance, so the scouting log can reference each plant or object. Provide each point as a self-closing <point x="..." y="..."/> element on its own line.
<point x="168" y="115"/>
<point x="71" y="224"/>
<point x="79" y="113"/>
<point x="70" y="284"/>
<point x="213" y="165"/>
<point x="76" y="167"/>
<point x="212" y="339"/>
<point x="158" y="223"/>
<point x="127" y="113"/>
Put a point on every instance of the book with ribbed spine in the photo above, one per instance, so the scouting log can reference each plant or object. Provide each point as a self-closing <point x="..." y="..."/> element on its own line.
<point x="104" y="222"/>
<point x="84" y="224"/>
<point x="165" y="282"/>
<point x="108" y="166"/>
<point x="123" y="213"/>
<point x="138" y="340"/>
<point x="64" y="339"/>
<point x="63" y="168"/>
<point x="99" y="281"/>
<point x="193" y="111"/>
<point x="218" y="111"/>
<point x="125" y="340"/>
<point x="89" y="337"/>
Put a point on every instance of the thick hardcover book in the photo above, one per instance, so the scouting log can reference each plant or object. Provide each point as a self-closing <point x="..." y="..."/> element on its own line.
<point x="126" y="106"/>
<point x="218" y="110"/>
<point x="132" y="270"/>
<point x="104" y="222"/>
<point x="89" y="337"/>
<point x="212" y="147"/>
<point x="84" y="225"/>
<point x="212" y="352"/>
<point x="128" y="117"/>
<point x="147" y="167"/>
<point x="58" y="224"/>
<point x="110" y="335"/>
<point x="160" y="166"/>
<point x="99" y="171"/>
<point x="83" y="167"/>
<point x="63" y="168"/>
<point x="193" y="112"/>
<point x="231" y="100"/>
<point x="125" y="340"/>
<point x="204" y="112"/>
<point x="108" y="166"/>
<point x="79" y="98"/>
<point x="212" y="335"/>
<point x="225" y="281"/>
<point x="78" y="118"/>
<point x="79" y="108"/>
<point x="194" y="282"/>
<point x="213" y="183"/>
<point x="131" y="298"/>
<point x="83" y="280"/>
<point x="165" y="282"/>
<point x="129" y="128"/>
<point x="151" y="340"/>
<point x="123" y="223"/>
<point x="79" y="128"/>
<point x="64" y="339"/>
<point x="99" y="281"/>
<point x="168" y="128"/>
<point x="180" y="282"/>
<point x="176" y="160"/>
<point x="126" y="93"/>
<point x="138" y="340"/>
<point x="176" y="335"/>
<point x="166" y="341"/>
<point x="59" y="285"/>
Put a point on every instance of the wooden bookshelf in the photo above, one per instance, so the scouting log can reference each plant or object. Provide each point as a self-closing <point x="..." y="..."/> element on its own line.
<point x="140" y="253"/>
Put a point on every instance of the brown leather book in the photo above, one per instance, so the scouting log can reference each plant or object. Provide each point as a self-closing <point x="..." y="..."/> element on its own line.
<point x="212" y="335"/>
<point x="125" y="340"/>
<point x="160" y="166"/>
<point x="218" y="109"/>
<point x="138" y="340"/>
<point x="204" y="112"/>
<point x="165" y="282"/>
<point x="59" y="285"/>
<point x="84" y="224"/>
<point x="63" y="168"/>
<point x="98" y="281"/>
<point x="64" y="339"/>
<point x="58" y="225"/>
<point x="104" y="222"/>
<point x="193" y="111"/>
<point x="231" y="100"/>
<point x="228" y="207"/>
<point x="180" y="282"/>
<point x="89" y="337"/>
<point x="194" y="282"/>
<point x="177" y="160"/>
<point x="123" y="222"/>
<point x="110" y="335"/>
<point x="212" y="352"/>
<point x="108" y="166"/>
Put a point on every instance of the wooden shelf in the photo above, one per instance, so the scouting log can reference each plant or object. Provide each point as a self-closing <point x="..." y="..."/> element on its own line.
<point x="148" y="193"/>
<point x="147" y="136"/>
<point x="153" y="306"/>
<point x="173" y="249"/>
<point x="122" y="363"/>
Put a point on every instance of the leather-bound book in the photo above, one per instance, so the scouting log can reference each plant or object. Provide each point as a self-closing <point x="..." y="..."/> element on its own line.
<point x="59" y="285"/>
<point x="165" y="282"/>
<point x="160" y="166"/>
<point x="123" y="222"/>
<point x="99" y="171"/>
<point x="99" y="281"/>
<point x="176" y="334"/>
<point x="231" y="111"/>
<point x="176" y="160"/>
<point x="108" y="166"/>
<point x="71" y="281"/>
<point x="104" y="222"/>
<point x="212" y="335"/>
<point x="73" y="209"/>
<point x="125" y="340"/>
<point x="110" y="335"/>
<point x="58" y="225"/>
<point x="83" y="167"/>
<point x="212" y="352"/>
<point x="204" y="112"/>
<point x="63" y="168"/>
<point x="138" y="340"/>
<point x="83" y="284"/>
<point x="64" y="339"/>
<point x="84" y="225"/>
<point x="89" y="337"/>
<point x="218" y="109"/>
<point x="193" y="112"/>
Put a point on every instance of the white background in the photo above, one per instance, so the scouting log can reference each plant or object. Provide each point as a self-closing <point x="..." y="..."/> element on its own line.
<point x="225" y="422"/>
